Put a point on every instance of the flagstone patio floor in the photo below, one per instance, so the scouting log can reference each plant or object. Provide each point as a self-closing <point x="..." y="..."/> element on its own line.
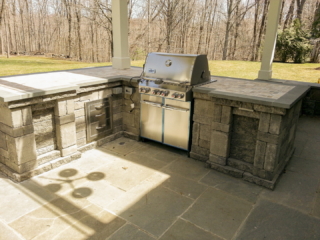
<point x="144" y="190"/>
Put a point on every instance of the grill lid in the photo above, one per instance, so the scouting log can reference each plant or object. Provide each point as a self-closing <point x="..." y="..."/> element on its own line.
<point x="186" y="69"/>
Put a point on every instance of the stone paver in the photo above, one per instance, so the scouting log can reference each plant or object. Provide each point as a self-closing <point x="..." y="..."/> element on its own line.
<point x="19" y="199"/>
<point x="187" y="231"/>
<point x="156" y="210"/>
<point x="124" y="174"/>
<point x="241" y="189"/>
<point x="276" y="222"/>
<point x="130" y="232"/>
<point x="123" y="146"/>
<point x="316" y="208"/>
<point x="188" y="168"/>
<point x="8" y="233"/>
<point x="132" y="190"/>
<point x="218" y="212"/>
<point x="184" y="186"/>
<point x="61" y="218"/>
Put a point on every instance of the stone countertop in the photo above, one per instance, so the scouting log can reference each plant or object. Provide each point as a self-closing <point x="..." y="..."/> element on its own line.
<point x="254" y="91"/>
<point x="25" y="86"/>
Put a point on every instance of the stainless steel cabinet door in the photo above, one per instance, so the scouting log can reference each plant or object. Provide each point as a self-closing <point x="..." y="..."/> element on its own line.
<point x="151" y="117"/>
<point x="176" y="123"/>
<point x="98" y="119"/>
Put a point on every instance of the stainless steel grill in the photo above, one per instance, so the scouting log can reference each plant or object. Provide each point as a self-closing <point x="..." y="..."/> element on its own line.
<point x="166" y="96"/>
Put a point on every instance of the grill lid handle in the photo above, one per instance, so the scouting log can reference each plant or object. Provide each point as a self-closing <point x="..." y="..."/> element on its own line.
<point x="154" y="104"/>
<point x="175" y="81"/>
<point x="156" y="80"/>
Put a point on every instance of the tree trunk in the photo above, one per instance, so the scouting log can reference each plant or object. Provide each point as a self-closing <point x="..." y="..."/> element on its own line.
<point x="6" y="23"/>
<point x="256" y="14"/>
<point x="78" y="12"/>
<point x="289" y="17"/>
<point x="2" y="7"/>
<point x="201" y="28"/>
<point x="237" y="20"/>
<point x="262" y="28"/>
<point x="69" y="18"/>
<point x="315" y="53"/>
<point x="300" y="5"/>
<point x="228" y="28"/>
<point x="281" y="12"/>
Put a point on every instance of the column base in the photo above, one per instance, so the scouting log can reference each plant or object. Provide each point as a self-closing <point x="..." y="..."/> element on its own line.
<point x="265" y="75"/>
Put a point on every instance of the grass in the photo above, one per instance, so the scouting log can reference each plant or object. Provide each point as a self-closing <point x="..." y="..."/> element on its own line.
<point x="239" y="69"/>
<point x="249" y="70"/>
<point x="34" y="64"/>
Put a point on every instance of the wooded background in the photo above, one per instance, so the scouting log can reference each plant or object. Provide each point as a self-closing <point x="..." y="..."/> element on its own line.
<point x="82" y="29"/>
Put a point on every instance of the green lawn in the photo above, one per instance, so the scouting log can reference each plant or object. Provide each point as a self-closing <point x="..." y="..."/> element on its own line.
<point x="239" y="69"/>
<point x="34" y="64"/>
<point x="306" y="72"/>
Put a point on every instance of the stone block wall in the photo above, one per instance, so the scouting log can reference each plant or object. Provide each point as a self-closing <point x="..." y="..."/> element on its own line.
<point x="201" y="130"/>
<point x="311" y="103"/>
<point x="42" y="133"/>
<point x="17" y="132"/>
<point x="246" y="140"/>
<point x="44" y="130"/>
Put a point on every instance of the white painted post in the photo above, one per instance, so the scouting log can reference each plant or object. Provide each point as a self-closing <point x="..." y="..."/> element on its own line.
<point x="265" y="72"/>
<point x="121" y="59"/>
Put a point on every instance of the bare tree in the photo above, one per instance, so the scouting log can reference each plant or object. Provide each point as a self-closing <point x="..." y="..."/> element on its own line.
<point x="171" y="16"/>
<point x="300" y="5"/>
<point x="232" y="5"/>
<point x="2" y="7"/>
<point x="289" y="17"/>
<point x="262" y="28"/>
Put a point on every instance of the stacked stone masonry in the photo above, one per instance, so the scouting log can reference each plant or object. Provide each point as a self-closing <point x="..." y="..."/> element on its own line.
<point x="245" y="140"/>
<point x="311" y="103"/>
<point x="41" y="133"/>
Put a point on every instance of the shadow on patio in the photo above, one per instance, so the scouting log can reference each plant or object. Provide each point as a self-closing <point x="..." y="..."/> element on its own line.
<point x="133" y="190"/>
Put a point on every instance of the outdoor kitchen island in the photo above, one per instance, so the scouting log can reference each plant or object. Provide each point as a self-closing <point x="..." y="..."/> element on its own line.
<point x="246" y="128"/>
<point x="243" y="128"/>
<point x="50" y="119"/>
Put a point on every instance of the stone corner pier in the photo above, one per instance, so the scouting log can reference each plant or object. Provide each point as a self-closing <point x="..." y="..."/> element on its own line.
<point x="246" y="128"/>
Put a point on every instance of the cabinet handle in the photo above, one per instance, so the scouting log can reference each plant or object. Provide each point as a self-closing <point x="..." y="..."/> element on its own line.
<point x="99" y="107"/>
<point x="99" y="115"/>
<point x="176" y="109"/>
<point x="98" y="128"/>
<point x="154" y="104"/>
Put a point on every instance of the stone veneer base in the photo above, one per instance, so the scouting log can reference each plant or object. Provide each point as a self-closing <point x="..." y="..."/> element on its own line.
<point x="17" y="177"/>
<point x="248" y="176"/>
<point x="47" y="166"/>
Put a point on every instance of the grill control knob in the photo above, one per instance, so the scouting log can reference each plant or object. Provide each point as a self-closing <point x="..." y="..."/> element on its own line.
<point x="155" y="91"/>
<point x="147" y="90"/>
<point x="164" y="93"/>
<point x="181" y="95"/>
<point x="174" y="95"/>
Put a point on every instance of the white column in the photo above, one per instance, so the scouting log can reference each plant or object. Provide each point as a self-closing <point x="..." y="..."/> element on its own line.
<point x="121" y="59"/>
<point x="265" y="72"/>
